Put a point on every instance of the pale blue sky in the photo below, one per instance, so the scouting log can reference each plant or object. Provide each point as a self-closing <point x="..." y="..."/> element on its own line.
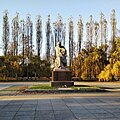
<point x="66" y="8"/>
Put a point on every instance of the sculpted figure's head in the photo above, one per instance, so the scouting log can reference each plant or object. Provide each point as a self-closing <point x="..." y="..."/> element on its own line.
<point x="59" y="44"/>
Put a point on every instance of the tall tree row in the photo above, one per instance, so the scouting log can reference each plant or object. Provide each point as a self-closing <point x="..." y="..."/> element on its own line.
<point x="15" y="35"/>
<point x="80" y="33"/>
<point x="48" y="38"/>
<point x="113" y="31"/>
<point x="6" y="32"/>
<point x="89" y="33"/>
<point x="90" y="61"/>
<point x="71" y="37"/>
<point x="96" y="33"/>
<point x="28" y="37"/>
<point x="22" y="39"/>
<point x="39" y="35"/>
<point x="58" y="30"/>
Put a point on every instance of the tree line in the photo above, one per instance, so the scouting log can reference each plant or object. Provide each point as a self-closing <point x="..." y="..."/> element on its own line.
<point x="98" y="59"/>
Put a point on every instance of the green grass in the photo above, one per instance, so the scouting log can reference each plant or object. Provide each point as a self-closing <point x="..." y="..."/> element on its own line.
<point x="80" y="88"/>
<point x="45" y="87"/>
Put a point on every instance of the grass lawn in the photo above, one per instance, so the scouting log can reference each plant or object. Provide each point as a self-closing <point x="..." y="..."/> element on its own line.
<point x="45" y="87"/>
<point x="86" y="88"/>
<point x="79" y="88"/>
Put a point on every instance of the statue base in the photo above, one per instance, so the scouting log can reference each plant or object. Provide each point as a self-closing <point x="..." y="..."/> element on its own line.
<point x="62" y="83"/>
<point x="61" y="78"/>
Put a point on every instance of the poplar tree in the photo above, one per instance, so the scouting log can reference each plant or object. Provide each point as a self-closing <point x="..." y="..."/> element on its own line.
<point x="80" y="33"/>
<point x="22" y="38"/>
<point x="39" y="34"/>
<point x="87" y="45"/>
<point x="71" y="33"/>
<point x="105" y="38"/>
<point x="101" y="27"/>
<point x="15" y="34"/>
<point x="48" y="37"/>
<point x="5" y="36"/>
<point x="91" y="30"/>
<point x="28" y="37"/>
<point x="113" y="31"/>
<point x="64" y="34"/>
<point x="96" y="33"/>
<point x="59" y="30"/>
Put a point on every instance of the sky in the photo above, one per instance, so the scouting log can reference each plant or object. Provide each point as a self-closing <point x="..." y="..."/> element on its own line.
<point x="66" y="8"/>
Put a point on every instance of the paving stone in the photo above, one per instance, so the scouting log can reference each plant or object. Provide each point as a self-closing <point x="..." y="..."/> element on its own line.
<point x="27" y="109"/>
<point x="64" y="115"/>
<point x="97" y="111"/>
<point x="116" y="115"/>
<point x="44" y="118"/>
<point x="114" y="110"/>
<point x="29" y="105"/>
<point x="76" y="108"/>
<point x="91" y="107"/>
<point x="44" y="115"/>
<point x="48" y="107"/>
<point x="84" y="115"/>
<point x="1" y="107"/>
<point x="30" y="102"/>
<point x="23" y="118"/>
<point x="73" y="104"/>
<point x="7" y="114"/>
<point x="116" y="106"/>
<point x="60" y="108"/>
<point x="43" y="101"/>
<point x="81" y="101"/>
<point x="6" y="118"/>
<point x="10" y="109"/>
<point x="16" y="102"/>
<point x="25" y="113"/>
<point x="94" y="100"/>
<point x="110" y="119"/>
<point x="87" y="119"/>
<point x="4" y="102"/>
<point x="104" y="115"/>
<point x="79" y="111"/>
<point x="70" y="100"/>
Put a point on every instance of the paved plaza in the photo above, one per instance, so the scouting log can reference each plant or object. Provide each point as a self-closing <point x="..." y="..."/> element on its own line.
<point x="82" y="106"/>
<point x="61" y="107"/>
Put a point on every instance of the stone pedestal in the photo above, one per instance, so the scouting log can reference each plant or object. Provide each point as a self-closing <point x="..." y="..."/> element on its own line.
<point x="61" y="75"/>
<point x="61" y="78"/>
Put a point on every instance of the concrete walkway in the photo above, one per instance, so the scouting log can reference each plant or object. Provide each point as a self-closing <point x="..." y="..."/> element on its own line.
<point x="82" y="106"/>
<point x="95" y="106"/>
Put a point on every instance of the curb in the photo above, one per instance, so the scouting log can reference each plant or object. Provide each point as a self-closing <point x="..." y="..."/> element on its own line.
<point x="63" y="91"/>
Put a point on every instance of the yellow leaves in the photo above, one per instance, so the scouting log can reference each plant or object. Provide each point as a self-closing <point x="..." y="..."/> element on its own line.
<point x="2" y="71"/>
<point x="3" y="67"/>
<point x="7" y="60"/>
<point x="106" y="74"/>
<point x="15" y="65"/>
<point x="95" y="56"/>
<point x="84" y="75"/>
<point x="109" y="72"/>
<point x="116" y="70"/>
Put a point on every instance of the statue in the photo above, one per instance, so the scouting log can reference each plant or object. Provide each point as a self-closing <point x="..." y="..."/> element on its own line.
<point x="61" y="75"/>
<point x="60" y="61"/>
